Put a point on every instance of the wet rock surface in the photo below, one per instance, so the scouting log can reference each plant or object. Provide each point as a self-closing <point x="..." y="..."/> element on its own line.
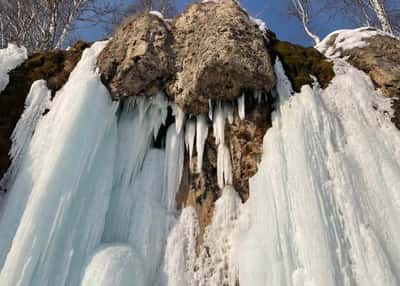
<point x="211" y="51"/>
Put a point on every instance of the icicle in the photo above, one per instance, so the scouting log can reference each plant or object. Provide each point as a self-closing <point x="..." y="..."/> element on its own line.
<point x="258" y="95"/>
<point x="190" y="133"/>
<point x="228" y="109"/>
<point x="224" y="166"/>
<point x="210" y="110"/>
<point x="241" y="106"/>
<point x="201" y="137"/>
<point x="179" y="117"/>
<point x="219" y="124"/>
<point x="173" y="167"/>
<point x="158" y="111"/>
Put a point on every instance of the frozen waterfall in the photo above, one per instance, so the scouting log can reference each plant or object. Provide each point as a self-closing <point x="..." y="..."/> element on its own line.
<point x="91" y="199"/>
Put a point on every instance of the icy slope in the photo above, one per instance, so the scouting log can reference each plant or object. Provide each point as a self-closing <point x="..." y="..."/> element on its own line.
<point x="10" y="58"/>
<point x="324" y="206"/>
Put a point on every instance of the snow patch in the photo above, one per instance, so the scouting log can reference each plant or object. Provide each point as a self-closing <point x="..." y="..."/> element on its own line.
<point x="10" y="58"/>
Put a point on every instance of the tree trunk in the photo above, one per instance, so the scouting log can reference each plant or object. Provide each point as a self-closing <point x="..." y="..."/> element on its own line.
<point x="380" y="12"/>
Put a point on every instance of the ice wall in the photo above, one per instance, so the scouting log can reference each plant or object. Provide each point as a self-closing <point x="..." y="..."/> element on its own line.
<point x="324" y="205"/>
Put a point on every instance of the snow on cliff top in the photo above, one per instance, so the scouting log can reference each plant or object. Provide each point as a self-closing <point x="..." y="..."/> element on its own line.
<point x="10" y="58"/>
<point x="339" y="40"/>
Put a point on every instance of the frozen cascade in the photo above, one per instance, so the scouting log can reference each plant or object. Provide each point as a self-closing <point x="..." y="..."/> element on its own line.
<point x="214" y="265"/>
<point x="36" y="103"/>
<point x="10" y="58"/>
<point x="53" y="215"/>
<point x="201" y="137"/>
<point x="114" y="265"/>
<point x="179" y="117"/>
<point x="324" y="206"/>
<point x="81" y="184"/>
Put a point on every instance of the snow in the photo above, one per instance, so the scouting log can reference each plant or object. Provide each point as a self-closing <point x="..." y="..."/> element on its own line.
<point x="10" y="58"/>
<point x="114" y="265"/>
<point x="259" y="23"/>
<point x="201" y="137"/>
<point x="36" y="103"/>
<point x="324" y="205"/>
<point x="158" y="14"/>
<point x="345" y="40"/>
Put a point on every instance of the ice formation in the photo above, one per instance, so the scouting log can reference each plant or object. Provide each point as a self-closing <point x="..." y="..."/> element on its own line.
<point x="36" y="103"/>
<point x="324" y="207"/>
<point x="201" y="137"/>
<point x="10" y="58"/>
<point x="114" y="265"/>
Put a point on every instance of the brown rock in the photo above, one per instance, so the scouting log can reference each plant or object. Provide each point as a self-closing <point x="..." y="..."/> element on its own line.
<point x="139" y="59"/>
<point x="219" y="52"/>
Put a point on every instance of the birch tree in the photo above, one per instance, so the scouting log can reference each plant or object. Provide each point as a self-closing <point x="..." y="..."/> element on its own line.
<point x="301" y="9"/>
<point x="45" y="24"/>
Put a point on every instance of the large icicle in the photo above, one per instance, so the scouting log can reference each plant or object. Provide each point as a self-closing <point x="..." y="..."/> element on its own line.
<point x="224" y="166"/>
<point x="179" y="117"/>
<point x="219" y="124"/>
<point x="241" y="106"/>
<point x="175" y="151"/>
<point x="36" y="103"/>
<point x="190" y="133"/>
<point x="324" y="206"/>
<point x="201" y="137"/>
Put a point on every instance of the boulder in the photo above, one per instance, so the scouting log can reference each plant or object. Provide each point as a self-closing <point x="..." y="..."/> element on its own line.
<point x="138" y="60"/>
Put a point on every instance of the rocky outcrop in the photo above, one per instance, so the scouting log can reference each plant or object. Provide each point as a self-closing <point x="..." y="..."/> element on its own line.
<point x="211" y="51"/>
<point x="219" y="53"/>
<point x="379" y="57"/>
<point x="52" y="66"/>
<point x="139" y="59"/>
<point x="302" y="63"/>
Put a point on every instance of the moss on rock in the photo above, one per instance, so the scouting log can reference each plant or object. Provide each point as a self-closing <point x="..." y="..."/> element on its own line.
<point x="52" y="66"/>
<point x="301" y="63"/>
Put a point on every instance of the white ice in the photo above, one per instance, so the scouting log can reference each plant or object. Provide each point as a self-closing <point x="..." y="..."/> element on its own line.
<point x="115" y="265"/>
<point x="241" y="107"/>
<point x="324" y="205"/>
<point x="224" y="166"/>
<point x="10" y="58"/>
<point x="201" y="137"/>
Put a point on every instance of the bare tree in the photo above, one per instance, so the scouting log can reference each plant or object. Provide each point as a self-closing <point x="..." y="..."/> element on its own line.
<point x="45" y="24"/>
<point x="301" y="9"/>
<point x="382" y="14"/>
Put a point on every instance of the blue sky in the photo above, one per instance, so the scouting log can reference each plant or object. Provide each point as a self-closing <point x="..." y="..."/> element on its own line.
<point x="274" y="14"/>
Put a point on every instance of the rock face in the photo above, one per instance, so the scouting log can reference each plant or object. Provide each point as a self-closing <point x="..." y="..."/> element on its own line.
<point x="139" y="59"/>
<point x="211" y="51"/>
<point x="219" y="52"/>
